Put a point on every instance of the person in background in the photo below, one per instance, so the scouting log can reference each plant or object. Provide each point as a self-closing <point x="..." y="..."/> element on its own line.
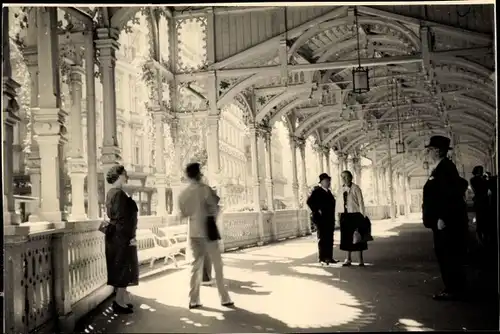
<point x="444" y="211"/>
<point x="479" y="186"/>
<point x="198" y="202"/>
<point x="120" y="243"/>
<point x="322" y="205"/>
<point x="351" y="214"/>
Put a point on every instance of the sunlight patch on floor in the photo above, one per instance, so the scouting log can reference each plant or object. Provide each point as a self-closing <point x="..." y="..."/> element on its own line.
<point x="411" y="325"/>
<point x="332" y="306"/>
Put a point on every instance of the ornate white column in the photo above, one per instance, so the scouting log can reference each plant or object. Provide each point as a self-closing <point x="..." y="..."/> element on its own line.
<point x="159" y="114"/>
<point x="177" y="168"/>
<point x="383" y="194"/>
<point x="391" y="175"/>
<point x="92" y="180"/>
<point x="406" y="186"/>
<point x="319" y="153"/>
<point x="303" y="183"/>
<point x="255" y="166"/>
<point x="33" y="161"/>
<point x="267" y="134"/>
<point x="375" y="176"/>
<point x="76" y="162"/>
<point x="213" y="149"/>
<point x="49" y="129"/>
<point x="342" y="157"/>
<point x="326" y="153"/>
<point x="107" y="44"/>
<point x="295" y="179"/>
<point x="356" y="164"/>
<point x="10" y="109"/>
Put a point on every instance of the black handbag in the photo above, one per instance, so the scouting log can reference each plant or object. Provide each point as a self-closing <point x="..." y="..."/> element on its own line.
<point x="212" y="230"/>
<point x="104" y="227"/>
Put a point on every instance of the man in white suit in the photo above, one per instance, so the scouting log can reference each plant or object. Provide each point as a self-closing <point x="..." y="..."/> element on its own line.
<point x="198" y="202"/>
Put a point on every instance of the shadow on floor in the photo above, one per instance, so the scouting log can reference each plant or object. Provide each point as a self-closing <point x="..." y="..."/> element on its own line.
<point x="282" y="288"/>
<point x="153" y="317"/>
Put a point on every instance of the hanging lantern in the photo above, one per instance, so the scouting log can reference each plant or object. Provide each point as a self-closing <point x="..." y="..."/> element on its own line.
<point x="400" y="147"/>
<point x="360" y="83"/>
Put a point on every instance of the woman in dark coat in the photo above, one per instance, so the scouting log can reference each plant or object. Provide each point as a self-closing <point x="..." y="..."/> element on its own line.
<point x="121" y="248"/>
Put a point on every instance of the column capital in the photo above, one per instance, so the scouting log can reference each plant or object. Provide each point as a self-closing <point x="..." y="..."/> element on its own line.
<point x="77" y="165"/>
<point x="48" y="125"/>
<point x="108" y="34"/>
<point x="75" y="74"/>
<point x="341" y="155"/>
<point x="264" y="130"/>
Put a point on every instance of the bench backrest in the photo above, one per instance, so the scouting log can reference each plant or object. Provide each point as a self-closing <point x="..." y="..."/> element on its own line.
<point x="145" y="239"/>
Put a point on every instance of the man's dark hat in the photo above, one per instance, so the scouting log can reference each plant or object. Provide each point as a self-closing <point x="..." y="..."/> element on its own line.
<point x="440" y="142"/>
<point x="324" y="176"/>
<point x="193" y="169"/>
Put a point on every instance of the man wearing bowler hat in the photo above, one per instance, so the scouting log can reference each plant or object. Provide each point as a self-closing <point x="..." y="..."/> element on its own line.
<point x="444" y="211"/>
<point x="322" y="205"/>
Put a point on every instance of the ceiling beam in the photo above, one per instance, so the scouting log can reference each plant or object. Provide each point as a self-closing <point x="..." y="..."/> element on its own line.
<point x="276" y="70"/>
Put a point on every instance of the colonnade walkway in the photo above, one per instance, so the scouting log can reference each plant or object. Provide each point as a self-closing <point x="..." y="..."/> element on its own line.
<point x="281" y="288"/>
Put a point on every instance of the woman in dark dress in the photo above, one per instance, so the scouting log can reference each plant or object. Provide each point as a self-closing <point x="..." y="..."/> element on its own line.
<point x="121" y="248"/>
<point x="351" y="212"/>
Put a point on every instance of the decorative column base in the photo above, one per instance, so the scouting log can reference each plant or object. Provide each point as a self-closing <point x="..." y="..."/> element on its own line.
<point x="295" y="190"/>
<point x="77" y="176"/>
<point x="270" y="194"/>
<point x="256" y="197"/>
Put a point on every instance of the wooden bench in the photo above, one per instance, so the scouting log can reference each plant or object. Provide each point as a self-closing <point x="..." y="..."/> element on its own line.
<point x="170" y="242"/>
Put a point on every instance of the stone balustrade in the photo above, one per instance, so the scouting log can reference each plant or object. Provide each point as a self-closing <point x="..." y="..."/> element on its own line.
<point x="55" y="273"/>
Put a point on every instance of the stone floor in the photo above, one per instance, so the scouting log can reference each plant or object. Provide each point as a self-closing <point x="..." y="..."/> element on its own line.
<point x="280" y="288"/>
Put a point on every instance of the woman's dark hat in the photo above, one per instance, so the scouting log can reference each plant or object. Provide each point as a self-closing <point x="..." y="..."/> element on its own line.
<point x="440" y="142"/>
<point x="324" y="176"/>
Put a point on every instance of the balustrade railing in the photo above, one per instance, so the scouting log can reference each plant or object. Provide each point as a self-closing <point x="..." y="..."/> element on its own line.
<point x="56" y="273"/>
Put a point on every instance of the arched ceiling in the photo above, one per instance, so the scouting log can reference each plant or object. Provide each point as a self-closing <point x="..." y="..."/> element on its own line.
<point x="445" y="75"/>
<point x="454" y="92"/>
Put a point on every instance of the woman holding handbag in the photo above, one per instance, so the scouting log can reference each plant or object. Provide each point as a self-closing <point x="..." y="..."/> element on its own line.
<point x="350" y="208"/>
<point x="120" y="232"/>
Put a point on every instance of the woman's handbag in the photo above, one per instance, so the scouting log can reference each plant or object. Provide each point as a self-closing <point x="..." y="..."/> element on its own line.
<point x="356" y="237"/>
<point x="104" y="226"/>
<point x="366" y="236"/>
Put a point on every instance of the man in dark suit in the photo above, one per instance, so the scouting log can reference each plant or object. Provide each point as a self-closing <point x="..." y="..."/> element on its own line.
<point x="445" y="212"/>
<point x="322" y="204"/>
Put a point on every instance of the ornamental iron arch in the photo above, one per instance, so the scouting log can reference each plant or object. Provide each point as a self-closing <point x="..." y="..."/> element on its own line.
<point x="445" y="75"/>
<point x="264" y="112"/>
<point x="343" y="48"/>
<point x="398" y="27"/>
<point x="455" y="115"/>
<point x="341" y="129"/>
<point x="287" y="109"/>
<point x="475" y="103"/>
<point x="465" y="64"/>
<point x="326" y="114"/>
